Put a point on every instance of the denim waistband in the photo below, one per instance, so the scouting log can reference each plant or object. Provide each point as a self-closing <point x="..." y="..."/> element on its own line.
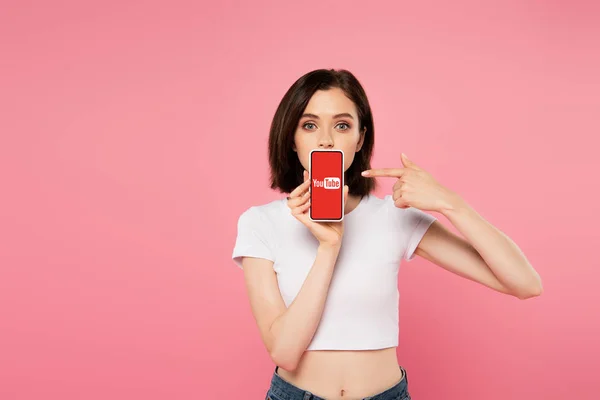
<point x="284" y="390"/>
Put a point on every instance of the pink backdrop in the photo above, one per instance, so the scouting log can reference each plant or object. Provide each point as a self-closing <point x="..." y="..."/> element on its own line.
<point x="134" y="134"/>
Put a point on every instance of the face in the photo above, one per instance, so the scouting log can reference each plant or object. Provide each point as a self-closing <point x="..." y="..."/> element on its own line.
<point x="330" y="121"/>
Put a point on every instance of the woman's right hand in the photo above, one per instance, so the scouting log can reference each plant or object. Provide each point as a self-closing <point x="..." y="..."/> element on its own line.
<point x="327" y="233"/>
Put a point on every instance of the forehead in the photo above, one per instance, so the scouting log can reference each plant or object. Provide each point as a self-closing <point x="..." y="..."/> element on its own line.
<point x="326" y="103"/>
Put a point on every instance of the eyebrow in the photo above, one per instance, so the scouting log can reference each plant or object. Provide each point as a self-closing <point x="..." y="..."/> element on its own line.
<point x="334" y="117"/>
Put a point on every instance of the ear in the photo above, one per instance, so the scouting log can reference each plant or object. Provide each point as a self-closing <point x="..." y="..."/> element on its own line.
<point x="361" y="140"/>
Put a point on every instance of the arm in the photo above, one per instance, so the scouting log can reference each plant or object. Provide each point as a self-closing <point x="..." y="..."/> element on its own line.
<point x="487" y="256"/>
<point x="287" y="332"/>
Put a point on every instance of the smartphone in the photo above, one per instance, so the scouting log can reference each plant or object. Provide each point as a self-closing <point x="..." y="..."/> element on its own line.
<point x="326" y="170"/>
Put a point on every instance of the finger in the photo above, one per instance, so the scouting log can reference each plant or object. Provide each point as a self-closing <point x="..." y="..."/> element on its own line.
<point x="300" y="189"/>
<point x="297" y="211"/>
<point x="346" y="189"/>
<point x="407" y="162"/>
<point x="395" y="172"/>
<point x="307" y="179"/>
<point x="401" y="203"/>
<point x="398" y="185"/>
<point x="298" y="201"/>
<point x="304" y="218"/>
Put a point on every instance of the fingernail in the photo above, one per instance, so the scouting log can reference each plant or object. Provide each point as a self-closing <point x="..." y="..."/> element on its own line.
<point x="365" y="173"/>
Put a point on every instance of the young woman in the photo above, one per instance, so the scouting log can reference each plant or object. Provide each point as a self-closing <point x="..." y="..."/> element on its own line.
<point x="325" y="295"/>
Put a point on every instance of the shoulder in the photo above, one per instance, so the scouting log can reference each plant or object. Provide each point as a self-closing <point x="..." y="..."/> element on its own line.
<point x="410" y="223"/>
<point x="374" y="204"/>
<point x="255" y="232"/>
<point x="407" y="217"/>
<point x="265" y="212"/>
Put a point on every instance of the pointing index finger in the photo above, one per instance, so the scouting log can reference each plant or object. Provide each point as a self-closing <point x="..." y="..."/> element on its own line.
<point x="394" y="172"/>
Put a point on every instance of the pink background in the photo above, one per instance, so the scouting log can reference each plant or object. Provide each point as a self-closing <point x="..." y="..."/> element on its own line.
<point x="134" y="134"/>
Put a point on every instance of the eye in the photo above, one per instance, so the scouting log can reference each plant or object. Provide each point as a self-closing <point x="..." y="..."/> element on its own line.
<point x="343" y="123"/>
<point x="308" y="123"/>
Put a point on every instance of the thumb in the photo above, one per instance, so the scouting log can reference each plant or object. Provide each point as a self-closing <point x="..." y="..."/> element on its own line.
<point x="345" y="193"/>
<point x="406" y="161"/>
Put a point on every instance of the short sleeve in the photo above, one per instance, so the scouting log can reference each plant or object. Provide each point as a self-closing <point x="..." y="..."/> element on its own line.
<point x="416" y="223"/>
<point x="412" y="223"/>
<point x="253" y="238"/>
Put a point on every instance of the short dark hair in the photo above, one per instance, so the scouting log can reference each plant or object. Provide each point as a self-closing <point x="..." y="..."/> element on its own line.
<point x="286" y="169"/>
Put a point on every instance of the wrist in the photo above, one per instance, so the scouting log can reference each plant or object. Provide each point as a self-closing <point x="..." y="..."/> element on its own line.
<point x="329" y="247"/>
<point x="452" y="205"/>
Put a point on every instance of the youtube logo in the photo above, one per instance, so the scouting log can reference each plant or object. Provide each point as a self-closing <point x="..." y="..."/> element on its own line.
<point x="327" y="183"/>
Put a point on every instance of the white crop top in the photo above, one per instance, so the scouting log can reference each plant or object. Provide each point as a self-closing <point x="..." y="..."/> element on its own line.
<point x="361" y="310"/>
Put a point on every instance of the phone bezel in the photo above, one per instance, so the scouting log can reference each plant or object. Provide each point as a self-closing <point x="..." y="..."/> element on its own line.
<point x="310" y="177"/>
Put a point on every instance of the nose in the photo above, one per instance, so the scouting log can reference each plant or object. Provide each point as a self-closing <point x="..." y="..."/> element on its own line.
<point x="325" y="142"/>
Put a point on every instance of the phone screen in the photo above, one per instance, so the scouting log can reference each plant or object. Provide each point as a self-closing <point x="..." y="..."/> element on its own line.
<point x="326" y="170"/>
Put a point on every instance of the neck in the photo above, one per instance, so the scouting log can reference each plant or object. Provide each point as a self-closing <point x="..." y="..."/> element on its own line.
<point x="351" y="203"/>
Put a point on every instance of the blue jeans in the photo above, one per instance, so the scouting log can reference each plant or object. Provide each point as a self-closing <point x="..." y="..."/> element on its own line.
<point x="283" y="390"/>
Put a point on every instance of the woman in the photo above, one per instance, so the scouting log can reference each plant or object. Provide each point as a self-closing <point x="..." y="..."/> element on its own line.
<point x="325" y="295"/>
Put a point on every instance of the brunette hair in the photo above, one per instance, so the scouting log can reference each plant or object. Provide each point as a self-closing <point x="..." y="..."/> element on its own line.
<point x="286" y="169"/>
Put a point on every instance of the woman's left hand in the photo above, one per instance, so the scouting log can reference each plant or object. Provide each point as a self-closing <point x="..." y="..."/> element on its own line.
<point x="415" y="187"/>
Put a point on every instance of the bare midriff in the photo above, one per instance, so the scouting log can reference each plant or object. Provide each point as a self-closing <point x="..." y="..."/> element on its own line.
<point x="345" y="375"/>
